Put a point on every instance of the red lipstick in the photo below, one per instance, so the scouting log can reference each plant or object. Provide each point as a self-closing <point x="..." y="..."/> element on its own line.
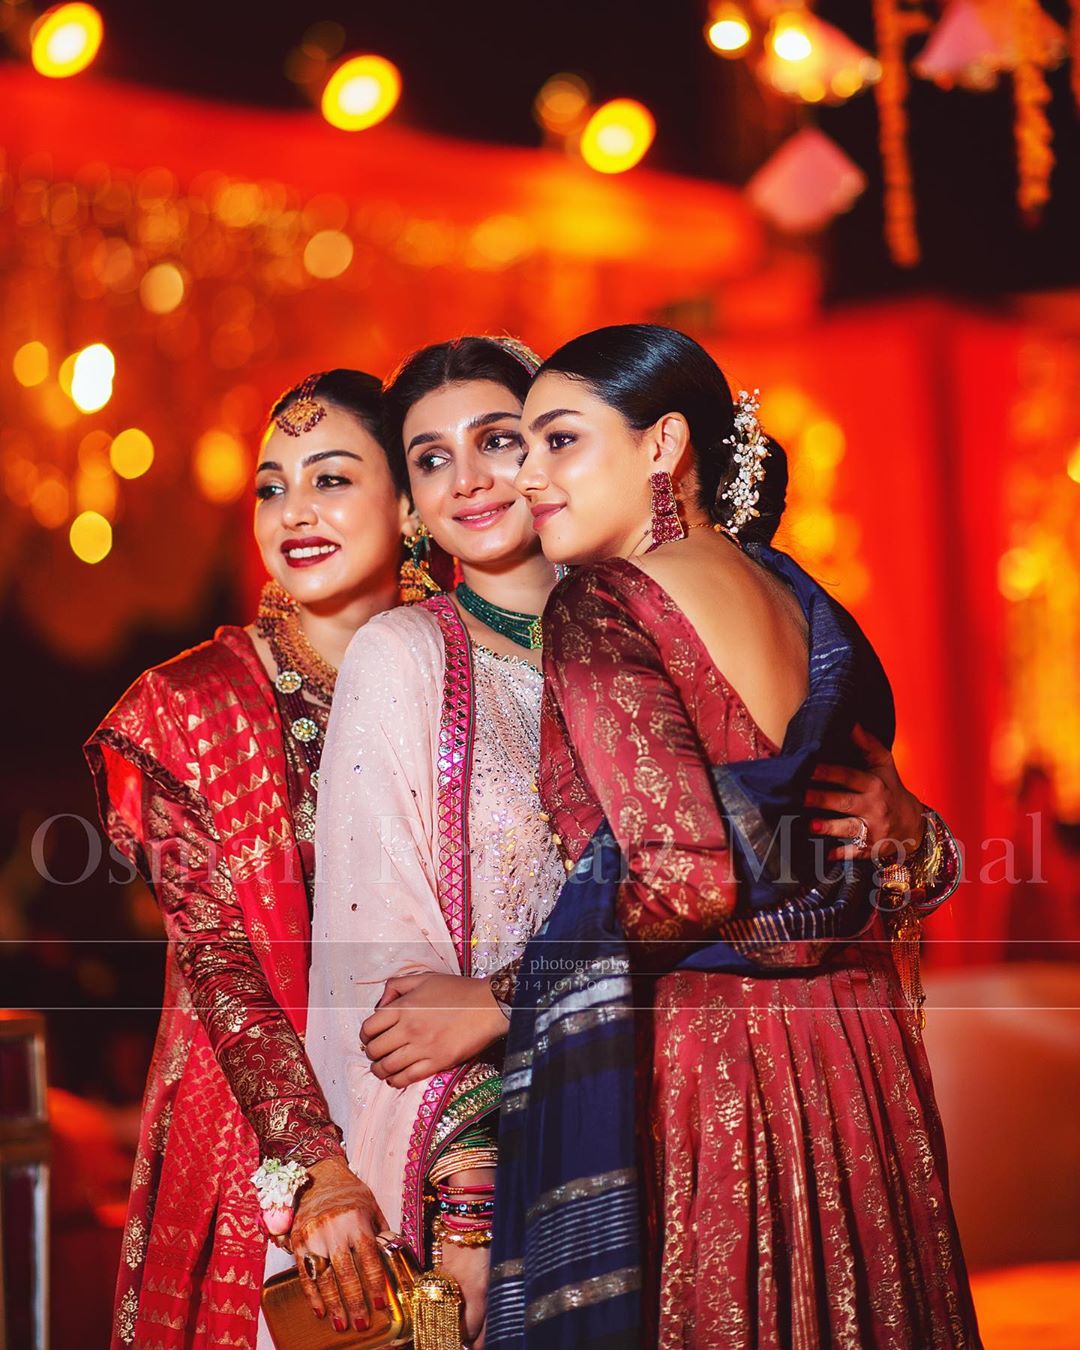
<point x="309" y="551"/>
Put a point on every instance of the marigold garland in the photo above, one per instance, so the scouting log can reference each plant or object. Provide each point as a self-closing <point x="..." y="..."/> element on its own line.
<point x="1031" y="94"/>
<point x="894" y="23"/>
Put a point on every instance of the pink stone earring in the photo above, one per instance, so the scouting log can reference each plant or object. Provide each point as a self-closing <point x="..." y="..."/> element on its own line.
<point x="666" y="525"/>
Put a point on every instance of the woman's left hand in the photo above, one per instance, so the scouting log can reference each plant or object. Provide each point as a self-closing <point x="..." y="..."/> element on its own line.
<point x="424" y="1024"/>
<point x="875" y="795"/>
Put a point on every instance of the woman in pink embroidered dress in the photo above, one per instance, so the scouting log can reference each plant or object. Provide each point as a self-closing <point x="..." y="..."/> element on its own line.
<point x="434" y="864"/>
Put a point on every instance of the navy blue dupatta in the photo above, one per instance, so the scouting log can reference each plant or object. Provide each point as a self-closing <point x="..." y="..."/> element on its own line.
<point x="567" y="1252"/>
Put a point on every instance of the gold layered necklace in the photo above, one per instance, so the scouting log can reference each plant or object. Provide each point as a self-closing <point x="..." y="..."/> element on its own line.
<point x="300" y="668"/>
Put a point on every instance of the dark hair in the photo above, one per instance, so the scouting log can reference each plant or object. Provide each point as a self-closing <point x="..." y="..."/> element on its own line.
<point x="353" y="391"/>
<point x="644" y="371"/>
<point x="454" y="362"/>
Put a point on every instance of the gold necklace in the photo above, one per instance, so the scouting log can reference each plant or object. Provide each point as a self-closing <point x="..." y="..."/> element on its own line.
<point x="299" y="667"/>
<point x="279" y="623"/>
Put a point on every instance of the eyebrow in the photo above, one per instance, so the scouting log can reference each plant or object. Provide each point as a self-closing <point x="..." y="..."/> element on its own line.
<point x="484" y="420"/>
<point x="545" y="419"/>
<point x="311" y="459"/>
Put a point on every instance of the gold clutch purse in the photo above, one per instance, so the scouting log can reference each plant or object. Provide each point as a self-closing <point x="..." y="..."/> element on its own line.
<point x="293" y="1326"/>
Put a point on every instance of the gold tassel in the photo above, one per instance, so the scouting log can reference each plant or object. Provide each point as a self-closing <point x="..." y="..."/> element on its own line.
<point x="906" y="937"/>
<point x="436" y="1312"/>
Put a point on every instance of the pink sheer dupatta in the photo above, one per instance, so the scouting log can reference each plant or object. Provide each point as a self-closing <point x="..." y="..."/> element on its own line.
<point x="390" y="843"/>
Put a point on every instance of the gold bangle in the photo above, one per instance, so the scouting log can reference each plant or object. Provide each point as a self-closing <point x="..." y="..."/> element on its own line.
<point x="460" y="1160"/>
<point x="480" y="1237"/>
<point x="930" y="855"/>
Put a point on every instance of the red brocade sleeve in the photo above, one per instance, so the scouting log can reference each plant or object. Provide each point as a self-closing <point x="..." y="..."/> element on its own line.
<point x="257" y="1046"/>
<point x="165" y="830"/>
<point x="253" y="1038"/>
<point x="616" y="730"/>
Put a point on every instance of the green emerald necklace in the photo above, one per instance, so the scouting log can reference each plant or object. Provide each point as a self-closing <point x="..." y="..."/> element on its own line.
<point x="524" y="629"/>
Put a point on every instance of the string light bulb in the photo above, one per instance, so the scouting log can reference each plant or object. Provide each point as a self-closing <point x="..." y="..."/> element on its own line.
<point x="728" y="31"/>
<point x="361" y="92"/>
<point x="92" y="373"/>
<point x="789" y="38"/>
<point x="65" y="40"/>
<point x="617" y="136"/>
<point x="90" y="537"/>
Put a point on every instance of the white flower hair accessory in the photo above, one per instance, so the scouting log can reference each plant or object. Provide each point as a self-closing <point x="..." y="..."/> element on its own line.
<point x="276" y="1184"/>
<point x="749" y="449"/>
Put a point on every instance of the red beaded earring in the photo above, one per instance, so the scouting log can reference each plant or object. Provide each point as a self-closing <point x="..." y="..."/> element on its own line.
<point x="666" y="525"/>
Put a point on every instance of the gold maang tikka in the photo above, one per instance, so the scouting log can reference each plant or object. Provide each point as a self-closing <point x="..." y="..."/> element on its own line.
<point x="305" y="412"/>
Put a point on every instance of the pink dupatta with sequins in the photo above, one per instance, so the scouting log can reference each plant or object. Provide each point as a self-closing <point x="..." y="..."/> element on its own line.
<point x="392" y="893"/>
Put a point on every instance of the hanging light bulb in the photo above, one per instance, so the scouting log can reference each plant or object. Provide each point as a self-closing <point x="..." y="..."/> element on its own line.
<point x="789" y="37"/>
<point x="617" y="136"/>
<point x="65" y="40"/>
<point x="361" y="92"/>
<point x="808" y="59"/>
<point x="728" y="30"/>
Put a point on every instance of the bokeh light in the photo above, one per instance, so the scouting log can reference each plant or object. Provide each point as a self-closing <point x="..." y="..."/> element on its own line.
<point x="1073" y="466"/>
<point x="617" y="136"/>
<point x="50" y="499"/>
<point x="823" y="443"/>
<point x="328" y="253"/>
<point x="562" y="104"/>
<point x="30" y="363"/>
<point x="162" y="288"/>
<point x="361" y="92"/>
<point x="789" y="38"/>
<point x="727" y="31"/>
<point x="65" y="40"/>
<point x="131" y="453"/>
<point x="220" y="465"/>
<point x="1020" y="572"/>
<point x="500" y="241"/>
<point x="91" y="375"/>
<point x="90" y="537"/>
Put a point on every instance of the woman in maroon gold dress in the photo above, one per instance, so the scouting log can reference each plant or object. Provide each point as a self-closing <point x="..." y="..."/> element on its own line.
<point x="781" y="1181"/>
<point x="206" y="778"/>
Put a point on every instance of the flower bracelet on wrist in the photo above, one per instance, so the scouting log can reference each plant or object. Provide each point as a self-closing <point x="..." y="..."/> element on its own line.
<point x="276" y="1184"/>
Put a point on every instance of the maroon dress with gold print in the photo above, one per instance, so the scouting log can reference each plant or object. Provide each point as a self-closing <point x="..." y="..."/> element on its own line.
<point x="794" y="1156"/>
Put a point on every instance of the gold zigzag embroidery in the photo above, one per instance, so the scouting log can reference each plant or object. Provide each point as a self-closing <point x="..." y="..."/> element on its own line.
<point x="208" y="710"/>
<point x="248" y="753"/>
<point x="250" y="857"/>
<point x="254" y="817"/>
<point x="245" y="789"/>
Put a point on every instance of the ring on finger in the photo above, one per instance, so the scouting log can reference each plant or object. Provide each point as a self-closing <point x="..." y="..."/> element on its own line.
<point x="315" y="1265"/>
<point x="863" y="837"/>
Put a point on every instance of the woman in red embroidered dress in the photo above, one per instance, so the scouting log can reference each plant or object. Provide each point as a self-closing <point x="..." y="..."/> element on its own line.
<point x="204" y="772"/>
<point x="794" y="1163"/>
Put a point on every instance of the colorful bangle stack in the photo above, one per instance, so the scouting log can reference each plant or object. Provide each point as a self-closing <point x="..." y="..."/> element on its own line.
<point x="464" y="1217"/>
<point x="466" y="1209"/>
